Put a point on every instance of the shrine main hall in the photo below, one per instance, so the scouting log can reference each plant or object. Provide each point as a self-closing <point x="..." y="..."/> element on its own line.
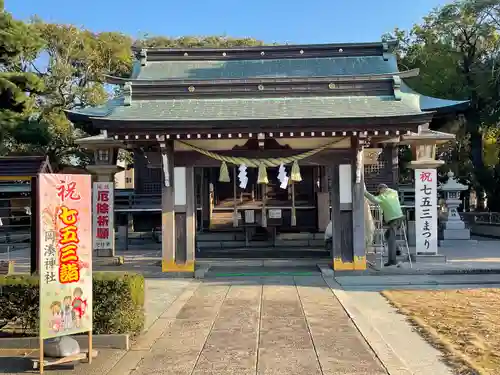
<point x="262" y="142"/>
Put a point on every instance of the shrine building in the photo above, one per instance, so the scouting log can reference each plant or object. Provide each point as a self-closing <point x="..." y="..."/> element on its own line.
<point x="270" y="141"/>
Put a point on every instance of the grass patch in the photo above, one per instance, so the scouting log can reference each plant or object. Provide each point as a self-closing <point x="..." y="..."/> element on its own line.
<point x="463" y="324"/>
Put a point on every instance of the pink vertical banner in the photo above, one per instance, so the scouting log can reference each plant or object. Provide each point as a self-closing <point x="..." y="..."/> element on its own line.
<point x="65" y="254"/>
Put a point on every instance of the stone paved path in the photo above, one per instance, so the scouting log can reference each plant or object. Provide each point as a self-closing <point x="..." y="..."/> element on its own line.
<point x="264" y="326"/>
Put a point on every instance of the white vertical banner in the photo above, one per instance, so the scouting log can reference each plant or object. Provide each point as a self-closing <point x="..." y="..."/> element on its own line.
<point x="426" y="211"/>
<point x="103" y="215"/>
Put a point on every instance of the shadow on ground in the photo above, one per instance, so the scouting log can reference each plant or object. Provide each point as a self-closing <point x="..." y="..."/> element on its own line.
<point x="13" y="365"/>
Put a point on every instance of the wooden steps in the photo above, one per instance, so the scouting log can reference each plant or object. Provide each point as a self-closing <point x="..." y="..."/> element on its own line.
<point x="221" y="220"/>
<point x="232" y="244"/>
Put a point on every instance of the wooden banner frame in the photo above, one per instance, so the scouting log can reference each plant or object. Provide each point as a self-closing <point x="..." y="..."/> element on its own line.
<point x="41" y="362"/>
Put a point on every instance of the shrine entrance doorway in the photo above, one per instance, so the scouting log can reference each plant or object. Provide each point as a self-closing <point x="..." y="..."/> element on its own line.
<point x="226" y="199"/>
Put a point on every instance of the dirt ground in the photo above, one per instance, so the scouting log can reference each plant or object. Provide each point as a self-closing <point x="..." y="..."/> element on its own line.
<point x="464" y="324"/>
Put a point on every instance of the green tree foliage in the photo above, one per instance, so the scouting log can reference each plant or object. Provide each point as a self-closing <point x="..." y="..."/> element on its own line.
<point x="457" y="48"/>
<point x="72" y="74"/>
<point x="46" y="69"/>
<point x="195" y="42"/>
<point x="49" y="68"/>
<point x="76" y="63"/>
<point x="19" y="44"/>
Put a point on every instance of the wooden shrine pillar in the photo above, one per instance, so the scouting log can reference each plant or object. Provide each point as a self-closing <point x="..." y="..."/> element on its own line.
<point x="167" y="207"/>
<point x="347" y="202"/>
<point x="185" y="219"/>
<point x="323" y="199"/>
<point x="205" y="197"/>
<point x="336" y="217"/>
<point x="35" y="222"/>
<point x="358" y="207"/>
<point x="178" y="214"/>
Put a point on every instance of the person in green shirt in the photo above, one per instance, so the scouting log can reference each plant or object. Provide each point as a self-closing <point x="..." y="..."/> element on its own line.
<point x="388" y="201"/>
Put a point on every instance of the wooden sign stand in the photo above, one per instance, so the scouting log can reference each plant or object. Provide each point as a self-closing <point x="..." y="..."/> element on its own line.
<point x="76" y="190"/>
<point x="41" y="362"/>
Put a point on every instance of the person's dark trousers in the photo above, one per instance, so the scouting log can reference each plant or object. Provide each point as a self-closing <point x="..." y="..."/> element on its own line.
<point x="390" y="238"/>
<point x="329" y="246"/>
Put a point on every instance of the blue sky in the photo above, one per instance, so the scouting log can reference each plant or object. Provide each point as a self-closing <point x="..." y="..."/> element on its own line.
<point x="295" y="21"/>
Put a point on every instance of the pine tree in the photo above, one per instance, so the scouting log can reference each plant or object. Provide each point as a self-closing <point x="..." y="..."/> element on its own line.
<point x="18" y="86"/>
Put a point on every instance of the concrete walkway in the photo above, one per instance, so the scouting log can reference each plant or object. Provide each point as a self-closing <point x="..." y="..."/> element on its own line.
<point x="395" y="342"/>
<point x="275" y="325"/>
<point x="159" y="296"/>
<point x="430" y="282"/>
<point x="264" y="325"/>
<point x="253" y="326"/>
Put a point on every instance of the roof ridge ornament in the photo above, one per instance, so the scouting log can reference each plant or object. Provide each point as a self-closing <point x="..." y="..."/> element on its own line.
<point x="396" y="85"/>
<point x="386" y="53"/>
<point x="143" y="57"/>
<point x="127" y="93"/>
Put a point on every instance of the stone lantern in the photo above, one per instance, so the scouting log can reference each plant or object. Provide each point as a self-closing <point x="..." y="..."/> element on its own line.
<point x="424" y="230"/>
<point x="105" y="156"/>
<point x="423" y="146"/>
<point x="453" y="228"/>
<point x="105" y="151"/>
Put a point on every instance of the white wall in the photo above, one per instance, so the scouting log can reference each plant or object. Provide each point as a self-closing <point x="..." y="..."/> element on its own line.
<point x="124" y="179"/>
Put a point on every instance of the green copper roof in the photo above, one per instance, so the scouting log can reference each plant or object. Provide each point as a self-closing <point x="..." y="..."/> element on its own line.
<point x="256" y="108"/>
<point x="428" y="103"/>
<point x="306" y="67"/>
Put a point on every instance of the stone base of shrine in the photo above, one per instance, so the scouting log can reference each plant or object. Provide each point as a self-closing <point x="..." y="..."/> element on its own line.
<point x="457" y="242"/>
<point x="7" y="267"/>
<point x="105" y="252"/>
<point x="359" y="264"/>
<point x="456" y="234"/>
<point x="428" y="258"/>
<point x="109" y="260"/>
<point x="172" y="266"/>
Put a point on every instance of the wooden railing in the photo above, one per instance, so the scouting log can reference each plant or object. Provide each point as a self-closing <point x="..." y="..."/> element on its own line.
<point x="492" y="218"/>
<point x="131" y="202"/>
<point x="483" y="223"/>
<point x="137" y="202"/>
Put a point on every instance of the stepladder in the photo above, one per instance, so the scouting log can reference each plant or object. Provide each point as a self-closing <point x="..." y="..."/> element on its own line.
<point x="380" y="245"/>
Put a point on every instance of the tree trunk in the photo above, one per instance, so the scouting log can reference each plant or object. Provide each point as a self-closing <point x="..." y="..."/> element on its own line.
<point x="473" y="117"/>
